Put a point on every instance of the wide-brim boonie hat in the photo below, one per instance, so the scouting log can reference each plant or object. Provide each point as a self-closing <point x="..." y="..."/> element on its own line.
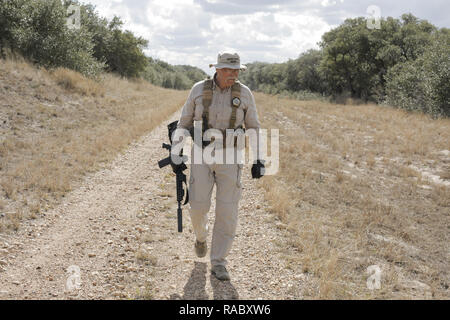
<point x="228" y="60"/>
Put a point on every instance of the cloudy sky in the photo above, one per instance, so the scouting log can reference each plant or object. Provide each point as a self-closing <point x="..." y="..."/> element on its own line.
<point x="194" y="31"/>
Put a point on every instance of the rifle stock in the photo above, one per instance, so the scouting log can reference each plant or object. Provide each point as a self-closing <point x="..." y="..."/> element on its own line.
<point x="164" y="162"/>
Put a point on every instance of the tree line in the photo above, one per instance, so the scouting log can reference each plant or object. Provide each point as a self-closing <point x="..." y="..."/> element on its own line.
<point x="38" y="30"/>
<point x="404" y="63"/>
<point x="181" y="77"/>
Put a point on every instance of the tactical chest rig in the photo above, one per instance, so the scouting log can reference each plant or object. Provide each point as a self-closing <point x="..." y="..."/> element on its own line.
<point x="207" y="100"/>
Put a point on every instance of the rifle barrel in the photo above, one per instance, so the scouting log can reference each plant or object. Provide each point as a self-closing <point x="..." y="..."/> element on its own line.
<point x="180" y="218"/>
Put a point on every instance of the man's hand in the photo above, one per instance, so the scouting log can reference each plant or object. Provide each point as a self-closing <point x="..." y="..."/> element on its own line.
<point x="258" y="169"/>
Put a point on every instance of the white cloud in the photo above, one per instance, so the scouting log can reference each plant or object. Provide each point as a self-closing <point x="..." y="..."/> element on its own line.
<point x="306" y="32"/>
<point x="194" y="31"/>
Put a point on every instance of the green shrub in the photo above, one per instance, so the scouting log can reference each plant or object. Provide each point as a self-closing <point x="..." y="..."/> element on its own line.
<point x="423" y="84"/>
<point x="11" y="17"/>
<point x="37" y="30"/>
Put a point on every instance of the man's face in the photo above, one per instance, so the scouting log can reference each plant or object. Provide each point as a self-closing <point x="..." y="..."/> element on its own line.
<point x="227" y="77"/>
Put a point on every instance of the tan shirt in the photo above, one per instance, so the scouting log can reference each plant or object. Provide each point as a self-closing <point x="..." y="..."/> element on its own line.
<point x="220" y="109"/>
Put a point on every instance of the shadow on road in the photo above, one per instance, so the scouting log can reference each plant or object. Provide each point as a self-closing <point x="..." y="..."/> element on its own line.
<point x="223" y="290"/>
<point x="195" y="288"/>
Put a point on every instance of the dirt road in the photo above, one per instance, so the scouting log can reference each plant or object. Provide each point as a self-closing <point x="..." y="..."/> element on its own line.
<point x="115" y="237"/>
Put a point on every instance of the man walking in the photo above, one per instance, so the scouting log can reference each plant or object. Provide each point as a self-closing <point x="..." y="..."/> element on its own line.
<point x="220" y="103"/>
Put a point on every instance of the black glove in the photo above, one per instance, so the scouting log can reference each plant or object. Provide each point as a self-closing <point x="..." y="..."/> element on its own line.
<point x="258" y="169"/>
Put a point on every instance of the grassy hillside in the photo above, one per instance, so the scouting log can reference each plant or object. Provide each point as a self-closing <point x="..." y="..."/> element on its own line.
<point x="56" y="126"/>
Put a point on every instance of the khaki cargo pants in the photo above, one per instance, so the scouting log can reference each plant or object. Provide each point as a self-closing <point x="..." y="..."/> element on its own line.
<point x="227" y="178"/>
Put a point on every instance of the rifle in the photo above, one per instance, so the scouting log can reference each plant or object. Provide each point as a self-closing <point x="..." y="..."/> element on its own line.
<point x="178" y="170"/>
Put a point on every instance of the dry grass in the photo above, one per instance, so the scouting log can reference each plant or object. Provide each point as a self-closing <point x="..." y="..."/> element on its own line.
<point x="143" y="256"/>
<point x="351" y="198"/>
<point x="56" y="126"/>
<point x="75" y="82"/>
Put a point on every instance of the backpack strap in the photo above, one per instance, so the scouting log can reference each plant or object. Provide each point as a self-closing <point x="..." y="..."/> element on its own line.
<point x="206" y="101"/>
<point x="235" y="103"/>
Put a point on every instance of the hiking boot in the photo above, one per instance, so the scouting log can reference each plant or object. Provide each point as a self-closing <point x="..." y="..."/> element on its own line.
<point x="200" y="248"/>
<point x="220" y="272"/>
